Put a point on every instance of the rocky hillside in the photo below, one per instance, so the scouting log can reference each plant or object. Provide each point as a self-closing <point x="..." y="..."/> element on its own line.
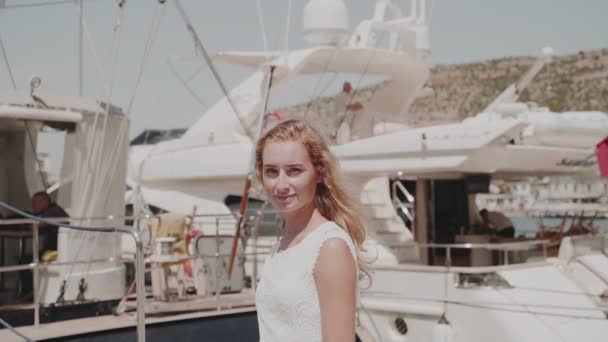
<point x="571" y="82"/>
<point x="577" y="82"/>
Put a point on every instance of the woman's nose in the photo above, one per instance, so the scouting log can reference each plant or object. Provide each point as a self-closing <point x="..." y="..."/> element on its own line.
<point x="282" y="182"/>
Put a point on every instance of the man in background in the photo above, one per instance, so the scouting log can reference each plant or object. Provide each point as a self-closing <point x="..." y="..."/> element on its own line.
<point x="42" y="206"/>
<point x="345" y="111"/>
<point x="497" y="222"/>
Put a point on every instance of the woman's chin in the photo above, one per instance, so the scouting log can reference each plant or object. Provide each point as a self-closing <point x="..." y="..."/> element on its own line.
<point x="287" y="206"/>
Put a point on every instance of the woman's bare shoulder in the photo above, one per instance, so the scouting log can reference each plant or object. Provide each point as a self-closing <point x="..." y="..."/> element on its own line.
<point x="335" y="259"/>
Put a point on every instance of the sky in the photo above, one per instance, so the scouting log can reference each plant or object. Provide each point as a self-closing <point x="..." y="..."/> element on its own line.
<point x="43" y="41"/>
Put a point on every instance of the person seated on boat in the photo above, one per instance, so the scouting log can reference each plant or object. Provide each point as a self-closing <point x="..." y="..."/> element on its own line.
<point x="43" y="206"/>
<point x="497" y="222"/>
<point x="345" y="111"/>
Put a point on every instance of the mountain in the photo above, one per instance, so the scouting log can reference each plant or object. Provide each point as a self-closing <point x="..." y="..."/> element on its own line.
<point x="577" y="82"/>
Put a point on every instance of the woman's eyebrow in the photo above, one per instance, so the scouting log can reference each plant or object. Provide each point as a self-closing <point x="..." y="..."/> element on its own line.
<point x="288" y="165"/>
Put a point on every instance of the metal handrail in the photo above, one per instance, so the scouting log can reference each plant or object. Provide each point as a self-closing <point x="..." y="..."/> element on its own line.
<point x="109" y="217"/>
<point x="505" y="247"/>
<point x="486" y="245"/>
<point x="408" y="196"/>
<point x="397" y="185"/>
<point x="139" y="257"/>
<point x="15" y="331"/>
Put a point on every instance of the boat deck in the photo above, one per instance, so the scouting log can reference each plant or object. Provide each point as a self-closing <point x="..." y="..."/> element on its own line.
<point x="156" y="313"/>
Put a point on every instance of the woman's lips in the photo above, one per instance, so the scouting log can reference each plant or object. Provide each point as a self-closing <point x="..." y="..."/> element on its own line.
<point x="284" y="198"/>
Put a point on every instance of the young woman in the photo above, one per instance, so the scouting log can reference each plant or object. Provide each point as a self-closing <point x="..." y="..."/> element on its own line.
<point x="308" y="289"/>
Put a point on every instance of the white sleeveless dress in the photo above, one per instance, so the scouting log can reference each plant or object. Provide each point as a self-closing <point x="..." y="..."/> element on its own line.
<point x="287" y="300"/>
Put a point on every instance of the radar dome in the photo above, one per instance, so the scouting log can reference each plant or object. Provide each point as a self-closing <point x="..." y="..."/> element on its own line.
<point x="325" y="22"/>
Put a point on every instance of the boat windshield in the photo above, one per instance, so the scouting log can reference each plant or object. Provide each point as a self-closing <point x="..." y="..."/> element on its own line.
<point x="153" y="136"/>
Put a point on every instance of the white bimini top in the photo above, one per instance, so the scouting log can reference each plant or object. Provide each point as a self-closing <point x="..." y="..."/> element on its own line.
<point x="286" y="298"/>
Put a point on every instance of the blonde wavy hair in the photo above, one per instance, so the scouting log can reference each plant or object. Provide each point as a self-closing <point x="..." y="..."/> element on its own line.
<point x="331" y="199"/>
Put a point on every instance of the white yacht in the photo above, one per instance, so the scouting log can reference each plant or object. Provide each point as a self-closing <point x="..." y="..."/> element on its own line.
<point x="434" y="277"/>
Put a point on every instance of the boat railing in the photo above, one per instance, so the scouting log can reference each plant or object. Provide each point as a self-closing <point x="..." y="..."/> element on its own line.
<point x="502" y="250"/>
<point x="508" y="252"/>
<point x="36" y="265"/>
<point x="405" y="205"/>
<point x="220" y="224"/>
<point x="584" y="244"/>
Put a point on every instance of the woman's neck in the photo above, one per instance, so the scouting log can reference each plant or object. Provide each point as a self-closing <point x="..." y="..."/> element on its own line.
<point x="301" y="221"/>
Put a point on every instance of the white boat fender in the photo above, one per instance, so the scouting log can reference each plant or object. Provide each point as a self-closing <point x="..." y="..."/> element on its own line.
<point x="443" y="331"/>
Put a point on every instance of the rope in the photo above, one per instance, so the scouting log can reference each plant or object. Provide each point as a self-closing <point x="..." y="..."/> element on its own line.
<point x="91" y="162"/>
<point x="114" y="156"/>
<point x="58" y="2"/>
<point x="8" y="66"/>
<point x="95" y="159"/>
<point x="160" y="10"/>
<point x="54" y="223"/>
<point x="287" y="25"/>
<point x="214" y="71"/>
<point x="185" y="84"/>
<point x="261" y="22"/>
<point x="153" y="34"/>
<point x="100" y="71"/>
<point x="325" y="67"/>
<point x="97" y="186"/>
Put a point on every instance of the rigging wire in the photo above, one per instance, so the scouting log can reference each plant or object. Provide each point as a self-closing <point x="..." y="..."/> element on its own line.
<point x="152" y="36"/>
<point x="186" y="85"/>
<point x="261" y="22"/>
<point x="40" y="4"/>
<point x="312" y="100"/>
<point x="214" y="71"/>
<point x="8" y="66"/>
<point x="94" y="158"/>
<point x="98" y="65"/>
<point x="287" y="26"/>
<point x="195" y="73"/>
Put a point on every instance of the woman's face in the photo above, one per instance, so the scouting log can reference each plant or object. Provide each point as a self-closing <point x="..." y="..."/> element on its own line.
<point x="288" y="176"/>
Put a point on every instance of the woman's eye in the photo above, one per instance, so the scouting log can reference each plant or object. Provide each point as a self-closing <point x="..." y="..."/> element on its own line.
<point x="294" y="172"/>
<point x="270" y="172"/>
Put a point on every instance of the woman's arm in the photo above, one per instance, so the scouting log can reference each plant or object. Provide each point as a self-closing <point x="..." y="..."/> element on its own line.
<point x="336" y="278"/>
